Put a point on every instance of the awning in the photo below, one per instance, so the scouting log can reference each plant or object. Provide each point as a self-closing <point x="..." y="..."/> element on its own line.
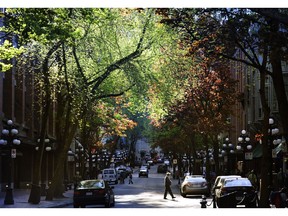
<point x="257" y="152"/>
<point x="279" y="148"/>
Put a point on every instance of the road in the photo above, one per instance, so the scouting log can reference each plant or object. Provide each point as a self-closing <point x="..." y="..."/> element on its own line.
<point x="148" y="193"/>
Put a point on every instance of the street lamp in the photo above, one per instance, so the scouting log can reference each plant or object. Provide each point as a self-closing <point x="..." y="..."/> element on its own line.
<point x="273" y="132"/>
<point x="227" y="152"/>
<point x="48" y="148"/>
<point x="8" y="141"/>
<point x="79" y="154"/>
<point x="244" y="146"/>
<point x="202" y="156"/>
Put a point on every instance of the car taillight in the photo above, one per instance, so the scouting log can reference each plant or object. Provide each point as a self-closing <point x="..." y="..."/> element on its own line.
<point x="77" y="193"/>
<point x="102" y="191"/>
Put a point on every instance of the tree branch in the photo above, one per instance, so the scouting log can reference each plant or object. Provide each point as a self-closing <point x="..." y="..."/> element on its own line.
<point x="79" y="66"/>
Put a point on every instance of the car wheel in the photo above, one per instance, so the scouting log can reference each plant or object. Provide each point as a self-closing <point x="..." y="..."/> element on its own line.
<point x="183" y="192"/>
<point x="108" y="204"/>
<point x="76" y="206"/>
<point x="251" y="205"/>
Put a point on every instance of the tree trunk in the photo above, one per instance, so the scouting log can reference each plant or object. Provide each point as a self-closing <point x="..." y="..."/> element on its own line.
<point x="266" y="155"/>
<point x="56" y="189"/>
<point x="280" y="92"/>
<point x="35" y="193"/>
<point x="277" y="76"/>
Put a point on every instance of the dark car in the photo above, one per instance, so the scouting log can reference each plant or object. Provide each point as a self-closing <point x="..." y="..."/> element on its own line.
<point x="236" y="191"/>
<point x="93" y="192"/>
<point x="162" y="168"/>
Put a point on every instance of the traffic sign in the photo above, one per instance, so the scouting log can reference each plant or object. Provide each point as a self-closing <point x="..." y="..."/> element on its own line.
<point x="13" y="153"/>
<point x="248" y="155"/>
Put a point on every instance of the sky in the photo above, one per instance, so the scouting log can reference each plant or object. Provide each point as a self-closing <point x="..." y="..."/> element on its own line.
<point x="145" y="3"/>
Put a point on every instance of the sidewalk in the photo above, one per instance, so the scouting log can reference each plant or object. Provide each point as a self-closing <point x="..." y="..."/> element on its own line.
<point x="21" y="197"/>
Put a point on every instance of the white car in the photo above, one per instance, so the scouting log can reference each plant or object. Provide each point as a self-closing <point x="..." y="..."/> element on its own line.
<point x="167" y="162"/>
<point x="143" y="171"/>
<point x="194" y="185"/>
<point x="110" y="175"/>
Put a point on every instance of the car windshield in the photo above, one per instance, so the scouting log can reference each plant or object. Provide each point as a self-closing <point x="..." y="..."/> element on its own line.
<point x="195" y="178"/>
<point x="237" y="182"/>
<point x="91" y="184"/>
<point x="108" y="172"/>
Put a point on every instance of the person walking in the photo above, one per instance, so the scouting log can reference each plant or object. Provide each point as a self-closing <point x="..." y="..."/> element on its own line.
<point x="167" y="183"/>
<point x="130" y="178"/>
<point x="77" y="179"/>
<point x="280" y="179"/>
<point x="253" y="179"/>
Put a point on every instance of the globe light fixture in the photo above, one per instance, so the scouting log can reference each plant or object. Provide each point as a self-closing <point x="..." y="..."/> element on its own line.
<point x="9" y="142"/>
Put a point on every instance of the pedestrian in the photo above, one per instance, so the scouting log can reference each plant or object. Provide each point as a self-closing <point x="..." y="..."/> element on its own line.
<point x="167" y="183"/>
<point x="77" y="179"/>
<point x="280" y="179"/>
<point x="279" y="198"/>
<point x="122" y="177"/>
<point x="130" y="178"/>
<point x="285" y="176"/>
<point x="253" y="179"/>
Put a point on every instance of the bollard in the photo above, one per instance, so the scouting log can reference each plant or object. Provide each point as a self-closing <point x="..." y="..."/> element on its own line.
<point x="203" y="202"/>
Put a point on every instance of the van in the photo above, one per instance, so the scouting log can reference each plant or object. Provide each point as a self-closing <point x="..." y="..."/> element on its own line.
<point x="110" y="175"/>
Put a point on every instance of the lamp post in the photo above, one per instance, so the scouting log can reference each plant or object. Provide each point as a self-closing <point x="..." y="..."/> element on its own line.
<point x="79" y="154"/>
<point x="227" y="152"/>
<point x="8" y="141"/>
<point x="48" y="148"/>
<point x="202" y="156"/>
<point x="273" y="132"/>
<point x="244" y="146"/>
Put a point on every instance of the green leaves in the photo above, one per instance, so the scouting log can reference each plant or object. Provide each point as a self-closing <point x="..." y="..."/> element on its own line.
<point x="7" y="52"/>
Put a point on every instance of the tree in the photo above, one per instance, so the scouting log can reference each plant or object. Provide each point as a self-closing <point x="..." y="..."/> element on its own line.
<point x="89" y="55"/>
<point x="257" y="33"/>
<point x="7" y="52"/>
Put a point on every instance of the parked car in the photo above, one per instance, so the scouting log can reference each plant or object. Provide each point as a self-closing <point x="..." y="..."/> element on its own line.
<point x="122" y="171"/>
<point x="219" y="182"/>
<point x="194" y="185"/>
<point x="110" y="175"/>
<point x="143" y="171"/>
<point x="150" y="162"/>
<point x="240" y="189"/>
<point x="162" y="168"/>
<point x="146" y="165"/>
<point x="93" y="192"/>
<point x="166" y="162"/>
<point x="160" y="160"/>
